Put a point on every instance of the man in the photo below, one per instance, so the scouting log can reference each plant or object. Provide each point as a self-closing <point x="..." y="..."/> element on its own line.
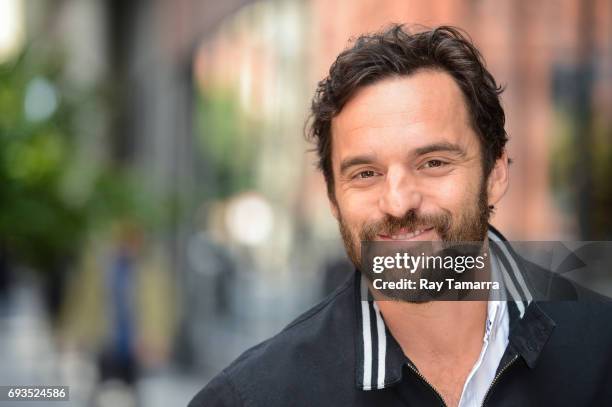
<point x="410" y="135"/>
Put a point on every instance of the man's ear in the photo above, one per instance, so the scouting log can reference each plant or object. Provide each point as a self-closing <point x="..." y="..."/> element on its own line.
<point x="497" y="184"/>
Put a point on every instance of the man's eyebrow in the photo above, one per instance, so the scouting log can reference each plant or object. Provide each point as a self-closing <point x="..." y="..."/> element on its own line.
<point x="444" y="146"/>
<point x="356" y="160"/>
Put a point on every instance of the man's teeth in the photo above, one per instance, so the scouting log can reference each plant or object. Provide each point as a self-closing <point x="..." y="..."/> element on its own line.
<point x="406" y="236"/>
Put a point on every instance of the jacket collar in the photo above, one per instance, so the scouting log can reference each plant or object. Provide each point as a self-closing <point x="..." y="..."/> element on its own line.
<point x="380" y="359"/>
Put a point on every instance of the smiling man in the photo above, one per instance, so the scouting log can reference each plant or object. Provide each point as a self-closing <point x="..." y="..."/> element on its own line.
<point x="410" y="135"/>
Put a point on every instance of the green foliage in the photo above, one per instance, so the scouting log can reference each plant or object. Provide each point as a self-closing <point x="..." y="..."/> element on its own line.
<point x="35" y="222"/>
<point x="228" y="141"/>
<point x="51" y="198"/>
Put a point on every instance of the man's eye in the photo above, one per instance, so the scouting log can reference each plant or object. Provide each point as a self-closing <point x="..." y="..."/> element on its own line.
<point x="434" y="164"/>
<point x="366" y="174"/>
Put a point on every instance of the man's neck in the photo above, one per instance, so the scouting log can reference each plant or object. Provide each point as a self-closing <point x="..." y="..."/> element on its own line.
<point x="442" y="338"/>
<point x="439" y="327"/>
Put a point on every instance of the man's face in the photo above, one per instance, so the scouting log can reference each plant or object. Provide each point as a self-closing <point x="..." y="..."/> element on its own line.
<point x="407" y="164"/>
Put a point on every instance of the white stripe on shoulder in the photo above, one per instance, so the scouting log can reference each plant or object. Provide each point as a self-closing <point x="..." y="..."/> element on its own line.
<point x="382" y="347"/>
<point x="367" y="338"/>
<point x="515" y="268"/>
<point x="499" y="269"/>
<point x="508" y="283"/>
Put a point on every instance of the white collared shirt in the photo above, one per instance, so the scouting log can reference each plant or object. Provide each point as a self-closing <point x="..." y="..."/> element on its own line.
<point x="494" y="343"/>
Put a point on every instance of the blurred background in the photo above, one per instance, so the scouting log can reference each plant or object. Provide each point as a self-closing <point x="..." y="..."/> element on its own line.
<point x="160" y="210"/>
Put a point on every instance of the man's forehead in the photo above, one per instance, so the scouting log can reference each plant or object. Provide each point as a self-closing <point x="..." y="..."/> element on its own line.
<point x="426" y="103"/>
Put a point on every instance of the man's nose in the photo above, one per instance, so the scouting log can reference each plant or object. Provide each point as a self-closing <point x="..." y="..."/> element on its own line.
<point x="400" y="194"/>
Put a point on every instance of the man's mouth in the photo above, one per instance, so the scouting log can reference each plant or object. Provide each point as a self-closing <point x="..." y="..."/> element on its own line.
<point x="406" y="234"/>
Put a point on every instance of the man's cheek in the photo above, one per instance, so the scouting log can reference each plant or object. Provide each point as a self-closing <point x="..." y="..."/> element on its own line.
<point x="449" y="189"/>
<point x="363" y="195"/>
<point x="453" y="194"/>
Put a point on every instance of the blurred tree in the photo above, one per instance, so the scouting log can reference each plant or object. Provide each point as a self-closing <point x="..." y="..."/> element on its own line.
<point x="43" y="224"/>
<point x="36" y="143"/>
<point x="228" y="141"/>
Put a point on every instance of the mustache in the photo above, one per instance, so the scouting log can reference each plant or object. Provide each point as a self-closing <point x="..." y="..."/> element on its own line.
<point x="411" y="220"/>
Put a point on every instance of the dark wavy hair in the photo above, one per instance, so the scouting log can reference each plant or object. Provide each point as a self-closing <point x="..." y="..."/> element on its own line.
<point x="398" y="52"/>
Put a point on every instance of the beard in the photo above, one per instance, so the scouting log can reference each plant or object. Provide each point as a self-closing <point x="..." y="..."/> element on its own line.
<point x="470" y="225"/>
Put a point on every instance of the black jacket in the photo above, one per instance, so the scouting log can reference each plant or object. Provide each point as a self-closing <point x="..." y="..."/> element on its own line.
<point x="559" y="354"/>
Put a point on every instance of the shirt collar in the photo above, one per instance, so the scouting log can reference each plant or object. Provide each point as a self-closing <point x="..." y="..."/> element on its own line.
<point x="380" y="359"/>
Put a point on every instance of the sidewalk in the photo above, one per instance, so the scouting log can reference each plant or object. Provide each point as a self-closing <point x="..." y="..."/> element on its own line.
<point x="28" y="357"/>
